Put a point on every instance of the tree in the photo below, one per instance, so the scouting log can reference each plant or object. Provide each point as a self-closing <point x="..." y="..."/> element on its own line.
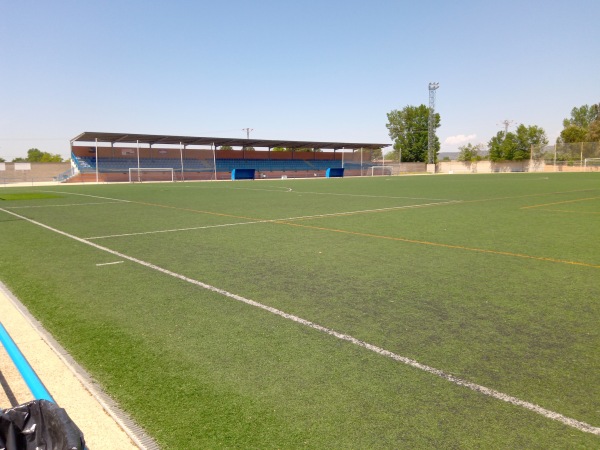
<point x="391" y="156"/>
<point x="516" y="146"/>
<point x="593" y="134"/>
<point x="526" y="137"/>
<point x="225" y="147"/>
<point x="408" y="129"/>
<point x="582" y="116"/>
<point x="2" y="159"/>
<point x="573" y="133"/>
<point x="376" y="154"/>
<point x="502" y="147"/>
<point x="470" y="152"/>
<point x="575" y="129"/>
<point x="35" y="155"/>
<point x="305" y="149"/>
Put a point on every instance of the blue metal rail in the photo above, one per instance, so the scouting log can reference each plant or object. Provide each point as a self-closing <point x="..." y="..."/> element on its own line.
<point x="33" y="382"/>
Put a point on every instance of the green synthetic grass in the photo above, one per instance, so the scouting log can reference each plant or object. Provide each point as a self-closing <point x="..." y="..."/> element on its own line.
<point x="494" y="280"/>
<point x="27" y="196"/>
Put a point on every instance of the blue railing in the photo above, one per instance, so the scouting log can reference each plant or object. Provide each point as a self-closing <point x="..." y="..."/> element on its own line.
<point x="33" y="382"/>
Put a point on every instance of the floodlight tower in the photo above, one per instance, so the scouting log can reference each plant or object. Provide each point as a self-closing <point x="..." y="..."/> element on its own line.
<point x="431" y="135"/>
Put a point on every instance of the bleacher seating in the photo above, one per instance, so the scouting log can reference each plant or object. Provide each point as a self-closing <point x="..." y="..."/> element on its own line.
<point x="224" y="166"/>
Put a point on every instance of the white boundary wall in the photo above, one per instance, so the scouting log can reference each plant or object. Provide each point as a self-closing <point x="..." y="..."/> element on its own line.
<point x="489" y="167"/>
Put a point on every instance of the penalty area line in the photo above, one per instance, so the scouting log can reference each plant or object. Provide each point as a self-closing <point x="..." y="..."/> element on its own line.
<point x="109" y="263"/>
<point x="581" y="426"/>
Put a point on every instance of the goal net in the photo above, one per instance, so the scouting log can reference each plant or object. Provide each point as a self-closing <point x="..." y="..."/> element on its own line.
<point x="381" y="170"/>
<point x="141" y="174"/>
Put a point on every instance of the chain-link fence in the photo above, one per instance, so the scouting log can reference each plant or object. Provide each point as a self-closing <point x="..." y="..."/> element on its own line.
<point x="579" y="156"/>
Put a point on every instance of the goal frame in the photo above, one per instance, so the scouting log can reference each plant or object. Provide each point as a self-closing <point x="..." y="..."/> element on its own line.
<point x="585" y="161"/>
<point x="149" y="169"/>
<point x="391" y="169"/>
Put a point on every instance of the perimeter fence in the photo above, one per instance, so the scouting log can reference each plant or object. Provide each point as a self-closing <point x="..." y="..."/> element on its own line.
<point x="573" y="157"/>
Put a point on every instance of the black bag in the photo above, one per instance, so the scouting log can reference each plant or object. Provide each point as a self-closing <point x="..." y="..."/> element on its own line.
<point x="38" y="425"/>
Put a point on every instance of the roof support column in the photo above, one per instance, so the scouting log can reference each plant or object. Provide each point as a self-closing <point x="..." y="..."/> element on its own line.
<point x="97" y="164"/>
<point x="181" y="147"/>
<point x="214" y="149"/>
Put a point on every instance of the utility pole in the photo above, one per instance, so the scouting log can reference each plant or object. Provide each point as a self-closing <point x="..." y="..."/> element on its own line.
<point x="247" y="130"/>
<point x="431" y="132"/>
<point x="506" y="124"/>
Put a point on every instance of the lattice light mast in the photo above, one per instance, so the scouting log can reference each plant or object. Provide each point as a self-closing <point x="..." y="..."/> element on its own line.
<point x="431" y="135"/>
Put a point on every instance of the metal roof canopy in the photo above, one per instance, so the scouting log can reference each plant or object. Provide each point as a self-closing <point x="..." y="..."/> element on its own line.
<point x="157" y="139"/>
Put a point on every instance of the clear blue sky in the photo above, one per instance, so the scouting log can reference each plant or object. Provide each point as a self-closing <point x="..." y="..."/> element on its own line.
<point x="319" y="70"/>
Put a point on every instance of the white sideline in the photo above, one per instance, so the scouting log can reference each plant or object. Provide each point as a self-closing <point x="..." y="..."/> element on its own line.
<point x="316" y="216"/>
<point x="581" y="426"/>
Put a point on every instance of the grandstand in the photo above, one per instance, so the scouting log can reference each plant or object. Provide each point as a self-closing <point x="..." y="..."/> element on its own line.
<point x="110" y="157"/>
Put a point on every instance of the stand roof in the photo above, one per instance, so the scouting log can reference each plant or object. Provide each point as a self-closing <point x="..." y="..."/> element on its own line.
<point x="157" y="139"/>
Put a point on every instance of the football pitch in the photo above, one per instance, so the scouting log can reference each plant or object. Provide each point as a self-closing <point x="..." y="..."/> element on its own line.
<point x="457" y="311"/>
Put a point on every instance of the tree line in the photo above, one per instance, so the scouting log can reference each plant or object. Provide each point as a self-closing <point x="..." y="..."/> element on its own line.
<point x="408" y="128"/>
<point x="36" y="155"/>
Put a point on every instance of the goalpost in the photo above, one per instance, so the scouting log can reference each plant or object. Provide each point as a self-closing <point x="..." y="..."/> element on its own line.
<point x="141" y="174"/>
<point x="592" y="163"/>
<point x="381" y="170"/>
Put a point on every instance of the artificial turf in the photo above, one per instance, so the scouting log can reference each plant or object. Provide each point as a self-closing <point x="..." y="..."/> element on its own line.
<point x="491" y="278"/>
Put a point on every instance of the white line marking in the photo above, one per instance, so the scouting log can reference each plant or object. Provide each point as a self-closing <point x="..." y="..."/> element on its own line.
<point x="110" y="263"/>
<point x="322" y="193"/>
<point x="374" y="196"/>
<point x="347" y="213"/>
<point x="581" y="426"/>
<point x="173" y="230"/>
<point x="66" y="204"/>
<point x="287" y="189"/>
<point x="89" y="195"/>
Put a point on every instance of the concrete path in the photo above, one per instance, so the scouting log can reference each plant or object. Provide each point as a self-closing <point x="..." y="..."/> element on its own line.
<point x="103" y="425"/>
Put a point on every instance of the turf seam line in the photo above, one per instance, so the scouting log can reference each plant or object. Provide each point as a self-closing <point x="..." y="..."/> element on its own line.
<point x="581" y="426"/>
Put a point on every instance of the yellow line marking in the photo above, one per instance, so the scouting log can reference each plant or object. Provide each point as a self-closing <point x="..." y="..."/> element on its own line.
<point x="398" y="239"/>
<point x="559" y="203"/>
<point x="438" y="244"/>
<point x="527" y="195"/>
<point x="195" y="210"/>
<point x="572" y="211"/>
